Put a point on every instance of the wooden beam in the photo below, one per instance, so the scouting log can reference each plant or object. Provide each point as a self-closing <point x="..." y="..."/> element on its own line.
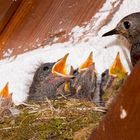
<point x="36" y="21"/>
<point x="122" y="121"/>
<point x="7" y="10"/>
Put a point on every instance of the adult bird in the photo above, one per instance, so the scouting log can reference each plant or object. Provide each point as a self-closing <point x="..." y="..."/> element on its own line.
<point x="129" y="27"/>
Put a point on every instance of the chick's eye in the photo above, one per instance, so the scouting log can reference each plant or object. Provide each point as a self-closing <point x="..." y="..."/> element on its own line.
<point x="46" y="68"/>
<point x="126" y="25"/>
<point x="75" y="71"/>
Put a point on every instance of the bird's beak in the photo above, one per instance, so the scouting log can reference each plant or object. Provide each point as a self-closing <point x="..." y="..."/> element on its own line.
<point x="88" y="63"/>
<point x="112" y="32"/>
<point x="4" y="93"/>
<point x="60" y="69"/>
<point x="117" y="69"/>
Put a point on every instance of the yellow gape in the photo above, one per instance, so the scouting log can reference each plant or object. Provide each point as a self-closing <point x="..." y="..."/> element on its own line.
<point x="5" y="92"/>
<point x="89" y="62"/>
<point x="117" y="69"/>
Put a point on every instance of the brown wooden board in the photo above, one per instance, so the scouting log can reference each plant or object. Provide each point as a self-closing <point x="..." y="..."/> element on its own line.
<point x="7" y="10"/>
<point x="122" y="122"/>
<point x="30" y="24"/>
<point x="35" y="21"/>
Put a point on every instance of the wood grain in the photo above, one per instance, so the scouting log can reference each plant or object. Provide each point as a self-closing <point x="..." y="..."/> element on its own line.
<point x="35" y="22"/>
<point x="7" y="9"/>
<point x="122" y="121"/>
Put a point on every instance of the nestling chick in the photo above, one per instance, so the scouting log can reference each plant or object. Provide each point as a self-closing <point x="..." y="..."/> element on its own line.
<point x="85" y="80"/>
<point x="5" y="102"/>
<point x="47" y="81"/>
<point x="112" y="80"/>
<point x="129" y="27"/>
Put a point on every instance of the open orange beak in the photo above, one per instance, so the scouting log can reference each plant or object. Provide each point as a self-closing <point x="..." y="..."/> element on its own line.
<point x="59" y="67"/>
<point x="117" y="68"/>
<point x="89" y="62"/>
<point x="4" y="93"/>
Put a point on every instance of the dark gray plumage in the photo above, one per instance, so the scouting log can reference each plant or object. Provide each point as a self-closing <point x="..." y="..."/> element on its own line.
<point x="85" y="84"/>
<point x="45" y="84"/>
<point x="48" y="85"/>
<point x="129" y="27"/>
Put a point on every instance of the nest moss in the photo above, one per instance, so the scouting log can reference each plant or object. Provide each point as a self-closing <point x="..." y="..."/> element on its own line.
<point x="55" y="120"/>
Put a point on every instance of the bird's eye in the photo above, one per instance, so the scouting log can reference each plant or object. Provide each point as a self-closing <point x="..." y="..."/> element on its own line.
<point x="126" y="25"/>
<point x="46" y="68"/>
<point x="75" y="71"/>
<point x="103" y="74"/>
